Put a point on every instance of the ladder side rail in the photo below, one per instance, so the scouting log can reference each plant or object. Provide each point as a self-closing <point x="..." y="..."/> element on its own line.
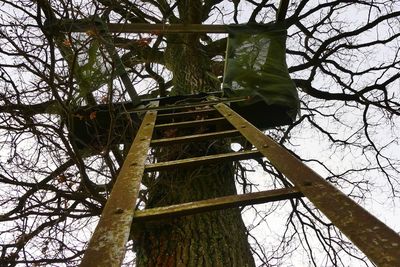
<point x="380" y="243"/>
<point x="107" y="245"/>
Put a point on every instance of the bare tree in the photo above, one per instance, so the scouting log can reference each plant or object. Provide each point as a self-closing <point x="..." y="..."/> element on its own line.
<point x="342" y="55"/>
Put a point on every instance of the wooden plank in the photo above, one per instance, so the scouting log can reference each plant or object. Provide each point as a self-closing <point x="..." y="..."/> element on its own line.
<point x="194" y="138"/>
<point x="219" y="203"/>
<point x="379" y="243"/>
<point x="189" y="162"/>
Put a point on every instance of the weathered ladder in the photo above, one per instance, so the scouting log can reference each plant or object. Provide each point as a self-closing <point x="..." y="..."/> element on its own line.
<point x="107" y="245"/>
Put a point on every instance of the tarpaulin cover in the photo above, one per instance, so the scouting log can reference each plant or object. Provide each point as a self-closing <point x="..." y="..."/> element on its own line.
<point x="255" y="66"/>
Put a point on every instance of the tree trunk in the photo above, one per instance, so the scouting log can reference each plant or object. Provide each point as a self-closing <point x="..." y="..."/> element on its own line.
<point x="208" y="239"/>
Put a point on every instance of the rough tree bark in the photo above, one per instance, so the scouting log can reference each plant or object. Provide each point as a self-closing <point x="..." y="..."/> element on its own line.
<point x="209" y="239"/>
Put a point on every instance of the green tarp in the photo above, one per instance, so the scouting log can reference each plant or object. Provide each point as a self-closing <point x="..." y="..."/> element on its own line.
<point x="255" y="66"/>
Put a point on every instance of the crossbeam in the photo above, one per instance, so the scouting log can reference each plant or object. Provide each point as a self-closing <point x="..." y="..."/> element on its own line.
<point x="87" y="25"/>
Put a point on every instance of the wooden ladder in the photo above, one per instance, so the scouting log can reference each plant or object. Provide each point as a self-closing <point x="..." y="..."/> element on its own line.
<point x="107" y="245"/>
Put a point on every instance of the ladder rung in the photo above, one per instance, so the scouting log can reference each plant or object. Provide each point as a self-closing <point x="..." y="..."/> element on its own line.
<point x="249" y="154"/>
<point x="202" y="103"/>
<point x="190" y="123"/>
<point x="194" y="138"/>
<point x="216" y="204"/>
<point x="187" y="113"/>
<point x="183" y="106"/>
